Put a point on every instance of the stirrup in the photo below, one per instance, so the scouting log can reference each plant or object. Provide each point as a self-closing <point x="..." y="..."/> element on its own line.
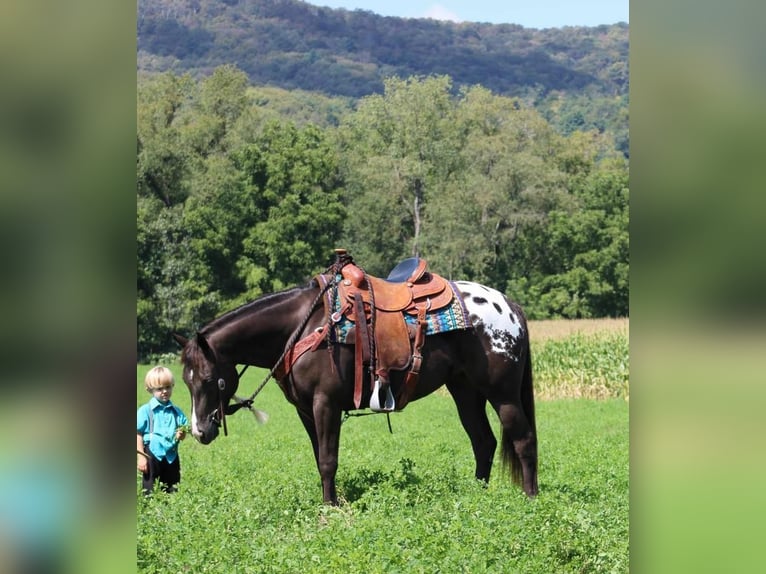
<point x="388" y="405"/>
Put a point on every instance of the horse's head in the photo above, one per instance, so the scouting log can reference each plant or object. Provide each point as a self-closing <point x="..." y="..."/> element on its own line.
<point x="212" y="381"/>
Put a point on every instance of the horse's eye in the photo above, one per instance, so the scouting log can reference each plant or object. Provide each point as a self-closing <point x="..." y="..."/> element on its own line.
<point x="212" y="384"/>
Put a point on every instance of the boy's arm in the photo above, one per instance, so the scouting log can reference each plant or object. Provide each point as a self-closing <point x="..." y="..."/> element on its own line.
<point x="142" y="462"/>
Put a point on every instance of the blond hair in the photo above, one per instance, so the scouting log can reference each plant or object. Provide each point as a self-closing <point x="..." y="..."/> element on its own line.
<point x="159" y="377"/>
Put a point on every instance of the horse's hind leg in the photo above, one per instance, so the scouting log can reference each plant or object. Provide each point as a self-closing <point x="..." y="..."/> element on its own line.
<point x="519" y="446"/>
<point x="471" y="407"/>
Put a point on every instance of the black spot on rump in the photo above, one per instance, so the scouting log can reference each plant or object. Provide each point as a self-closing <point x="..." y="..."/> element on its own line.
<point x="480" y="300"/>
<point x="498" y="308"/>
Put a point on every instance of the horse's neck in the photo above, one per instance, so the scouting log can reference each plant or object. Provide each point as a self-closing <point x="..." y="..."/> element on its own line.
<point x="258" y="335"/>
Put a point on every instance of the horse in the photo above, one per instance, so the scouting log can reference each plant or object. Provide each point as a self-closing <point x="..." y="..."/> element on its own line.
<point x="489" y="361"/>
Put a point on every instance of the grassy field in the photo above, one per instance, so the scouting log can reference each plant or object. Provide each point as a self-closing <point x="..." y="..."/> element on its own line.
<point x="251" y="502"/>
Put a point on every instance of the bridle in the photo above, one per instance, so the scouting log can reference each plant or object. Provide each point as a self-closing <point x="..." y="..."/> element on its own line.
<point x="220" y="410"/>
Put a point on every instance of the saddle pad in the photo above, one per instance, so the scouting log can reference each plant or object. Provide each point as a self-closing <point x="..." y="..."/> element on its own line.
<point x="451" y="318"/>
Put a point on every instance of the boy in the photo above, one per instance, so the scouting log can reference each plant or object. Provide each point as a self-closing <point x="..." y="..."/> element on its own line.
<point x="160" y="426"/>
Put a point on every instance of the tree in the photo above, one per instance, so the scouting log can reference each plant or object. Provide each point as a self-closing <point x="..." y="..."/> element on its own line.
<point x="401" y="149"/>
<point x="509" y="177"/>
<point x="193" y="212"/>
<point x="222" y="100"/>
<point x="578" y="261"/>
<point x="162" y="159"/>
<point x="293" y="178"/>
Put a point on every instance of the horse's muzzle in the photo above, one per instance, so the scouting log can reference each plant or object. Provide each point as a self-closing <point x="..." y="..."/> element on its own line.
<point x="207" y="433"/>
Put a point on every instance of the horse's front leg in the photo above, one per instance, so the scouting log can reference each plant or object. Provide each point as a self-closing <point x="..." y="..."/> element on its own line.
<point x="323" y="428"/>
<point x="327" y="421"/>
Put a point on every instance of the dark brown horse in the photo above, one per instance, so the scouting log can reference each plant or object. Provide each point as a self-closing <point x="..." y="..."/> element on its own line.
<point x="489" y="361"/>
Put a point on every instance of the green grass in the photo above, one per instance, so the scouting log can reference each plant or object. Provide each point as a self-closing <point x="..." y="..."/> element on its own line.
<point x="251" y="502"/>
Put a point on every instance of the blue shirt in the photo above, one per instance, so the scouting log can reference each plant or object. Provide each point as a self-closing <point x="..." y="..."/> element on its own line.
<point x="166" y="418"/>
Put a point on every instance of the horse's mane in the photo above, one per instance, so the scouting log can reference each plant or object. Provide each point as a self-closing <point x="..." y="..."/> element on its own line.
<point x="254" y="305"/>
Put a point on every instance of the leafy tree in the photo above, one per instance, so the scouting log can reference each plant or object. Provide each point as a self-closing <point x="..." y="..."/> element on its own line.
<point x="222" y="100"/>
<point x="193" y="212"/>
<point x="401" y="149"/>
<point x="293" y="178"/>
<point x="577" y="262"/>
<point x="449" y="177"/>
<point x="167" y="297"/>
<point x="509" y="176"/>
<point x="162" y="163"/>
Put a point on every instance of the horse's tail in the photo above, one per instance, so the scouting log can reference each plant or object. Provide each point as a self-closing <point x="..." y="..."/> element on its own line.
<point x="511" y="459"/>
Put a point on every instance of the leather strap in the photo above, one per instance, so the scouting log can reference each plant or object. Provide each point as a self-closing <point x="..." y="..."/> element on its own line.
<point x="411" y="380"/>
<point x="309" y="343"/>
<point x="361" y="348"/>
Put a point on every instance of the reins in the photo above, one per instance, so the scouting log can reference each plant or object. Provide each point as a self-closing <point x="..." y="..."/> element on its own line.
<point x="248" y="403"/>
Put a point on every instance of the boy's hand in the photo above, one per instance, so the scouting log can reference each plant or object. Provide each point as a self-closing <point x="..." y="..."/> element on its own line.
<point x="181" y="432"/>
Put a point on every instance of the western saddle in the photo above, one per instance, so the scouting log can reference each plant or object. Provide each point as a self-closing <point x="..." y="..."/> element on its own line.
<point x="383" y="339"/>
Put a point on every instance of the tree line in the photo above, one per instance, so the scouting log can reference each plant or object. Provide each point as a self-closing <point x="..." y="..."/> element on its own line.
<point x="577" y="77"/>
<point x="294" y="44"/>
<point x="233" y="203"/>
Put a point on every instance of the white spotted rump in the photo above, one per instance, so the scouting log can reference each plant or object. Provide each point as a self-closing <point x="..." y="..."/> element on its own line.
<point x="490" y="311"/>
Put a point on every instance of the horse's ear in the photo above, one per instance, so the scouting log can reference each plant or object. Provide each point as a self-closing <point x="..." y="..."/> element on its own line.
<point x="205" y="346"/>
<point x="180" y="339"/>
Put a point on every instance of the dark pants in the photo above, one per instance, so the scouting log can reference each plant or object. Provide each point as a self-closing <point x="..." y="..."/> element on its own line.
<point x="168" y="473"/>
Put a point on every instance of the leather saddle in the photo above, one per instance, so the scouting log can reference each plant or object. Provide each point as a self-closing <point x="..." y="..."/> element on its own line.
<point x="378" y="307"/>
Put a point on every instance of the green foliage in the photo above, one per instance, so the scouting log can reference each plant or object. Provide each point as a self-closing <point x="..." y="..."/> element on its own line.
<point x="162" y="153"/>
<point x="295" y="45"/>
<point x="232" y="203"/>
<point x="251" y="502"/>
<point x="575" y="264"/>
<point x="292" y="177"/>
<point x="401" y="149"/>
<point x="578" y="77"/>
<point x="224" y="213"/>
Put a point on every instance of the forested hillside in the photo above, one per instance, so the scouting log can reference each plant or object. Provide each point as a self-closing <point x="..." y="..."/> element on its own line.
<point x="244" y="190"/>
<point x="577" y="77"/>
